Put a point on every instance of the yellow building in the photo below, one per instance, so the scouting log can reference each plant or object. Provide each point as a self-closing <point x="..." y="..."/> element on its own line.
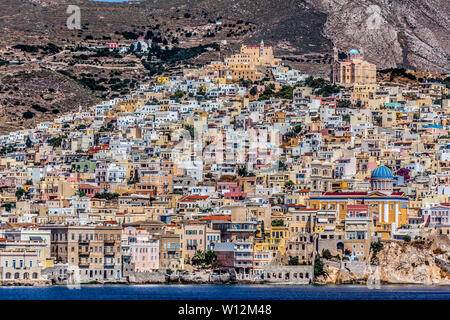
<point x="262" y="256"/>
<point x="388" y="207"/>
<point x="162" y="79"/>
<point x="277" y="238"/>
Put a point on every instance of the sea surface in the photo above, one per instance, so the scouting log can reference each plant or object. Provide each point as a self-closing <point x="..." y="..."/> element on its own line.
<point x="226" y="292"/>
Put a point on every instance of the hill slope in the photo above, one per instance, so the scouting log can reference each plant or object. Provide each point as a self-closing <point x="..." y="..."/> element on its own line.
<point x="412" y="33"/>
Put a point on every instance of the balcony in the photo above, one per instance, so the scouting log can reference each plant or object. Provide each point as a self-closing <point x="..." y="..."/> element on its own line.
<point x="83" y="264"/>
<point x="243" y="265"/>
<point x="110" y="242"/>
<point x="109" y="253"/>
<point x="241" y="229"/>
<point x="83" y="253"/>
<point x="109" y="263"/>
<point x="243" y="258"/>
<point x="83" y="241"/>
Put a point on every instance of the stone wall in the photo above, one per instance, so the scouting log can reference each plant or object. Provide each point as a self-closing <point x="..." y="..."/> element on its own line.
<point x="22" y="282"/>
<point x="146" y="277"/>
<point x="288" y="274"/>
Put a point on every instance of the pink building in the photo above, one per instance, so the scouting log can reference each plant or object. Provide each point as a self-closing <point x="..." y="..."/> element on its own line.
<point x="438" y="215"/>
<point x="226" y="185"/>
<point x="143" y="250"/>
<point x="231" y="190"/>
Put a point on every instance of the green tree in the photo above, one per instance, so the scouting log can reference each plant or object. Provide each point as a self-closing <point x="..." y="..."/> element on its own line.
<point x="136" y="176"/>
<point x="20" y="192"/>
<point x="242" y="172"/>
<point x="318" y="267"/>
<point x="277" y="223"/>
<point x="55" y="142"/>
<point x="293" y="261"/>
<point x="326" y="254"/>
<point x="343" y="103"/>
<point x="288" y="184"/>
<point x="297" y="129"/>
<point x="210" y="257"/>
<point x="406" y="238"/>
<point x="375" y="247"/>
<point x="191" y="130"/>
<point x="28" y="142"/>
<point x="253" y="91"/>
<point x="177" y="95"/>
<point x="106" y="195"/>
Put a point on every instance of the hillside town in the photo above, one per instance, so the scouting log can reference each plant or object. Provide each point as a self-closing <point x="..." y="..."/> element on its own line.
<point x="243" y="166"/>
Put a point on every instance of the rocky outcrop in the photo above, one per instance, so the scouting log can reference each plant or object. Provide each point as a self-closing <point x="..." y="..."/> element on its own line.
<point x="25" y="283"/>
<point x="418" y="262"/>
<point x="401" y="262"/>
<point x="408" y="33"/>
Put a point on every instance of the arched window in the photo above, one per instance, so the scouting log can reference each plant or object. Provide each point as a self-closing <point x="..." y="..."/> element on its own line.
<point x="26" y="275"/>
<point x="16" y="275"/>
<point x="35" y="275"/>
<point x="8" y="275"/>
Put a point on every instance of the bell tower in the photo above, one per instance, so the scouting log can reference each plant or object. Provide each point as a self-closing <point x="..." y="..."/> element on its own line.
<point x="261" y="49"/>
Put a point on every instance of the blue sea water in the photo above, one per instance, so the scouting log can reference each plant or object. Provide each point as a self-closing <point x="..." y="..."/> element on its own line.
<point x="225" y="292"/>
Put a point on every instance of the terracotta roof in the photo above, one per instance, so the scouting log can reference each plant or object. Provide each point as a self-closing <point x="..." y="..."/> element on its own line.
<point x="194" y="198"/>
<point x="216" y="217"/>
<point x="88" y="186"/>
<point x="344" y="193"/>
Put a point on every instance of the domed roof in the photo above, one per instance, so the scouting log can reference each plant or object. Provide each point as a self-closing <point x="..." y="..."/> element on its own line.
<point x="381" y="172"/>
<point x="353" y="51"/>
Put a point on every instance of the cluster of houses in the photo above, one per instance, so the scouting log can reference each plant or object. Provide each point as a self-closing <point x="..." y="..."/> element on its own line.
<point x="193" y="163"/>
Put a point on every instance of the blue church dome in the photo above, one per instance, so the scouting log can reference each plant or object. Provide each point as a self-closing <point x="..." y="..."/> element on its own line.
<point x="381" y="172"/>
<point x="353" y="51"/>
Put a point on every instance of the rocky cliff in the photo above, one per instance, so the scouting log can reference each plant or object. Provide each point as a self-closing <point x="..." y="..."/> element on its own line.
<point x="399" y="262"/>
<point x="406" y="33"/>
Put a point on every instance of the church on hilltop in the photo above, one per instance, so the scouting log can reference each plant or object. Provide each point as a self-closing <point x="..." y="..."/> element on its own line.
<point x="353" y="70"/>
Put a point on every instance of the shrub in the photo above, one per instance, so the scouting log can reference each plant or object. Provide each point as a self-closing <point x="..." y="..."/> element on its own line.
<point x="39" y="108"/>
<point x="28" y="115"/>
<point x="293" y="261"/>
<point x="438" y="251"/>
<point x="407" y="238"/>
<point x="318" y="267"/>
<point x="326" y="254"/>
<point x="375" y="247"/>
<point x="277" y="223"/>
